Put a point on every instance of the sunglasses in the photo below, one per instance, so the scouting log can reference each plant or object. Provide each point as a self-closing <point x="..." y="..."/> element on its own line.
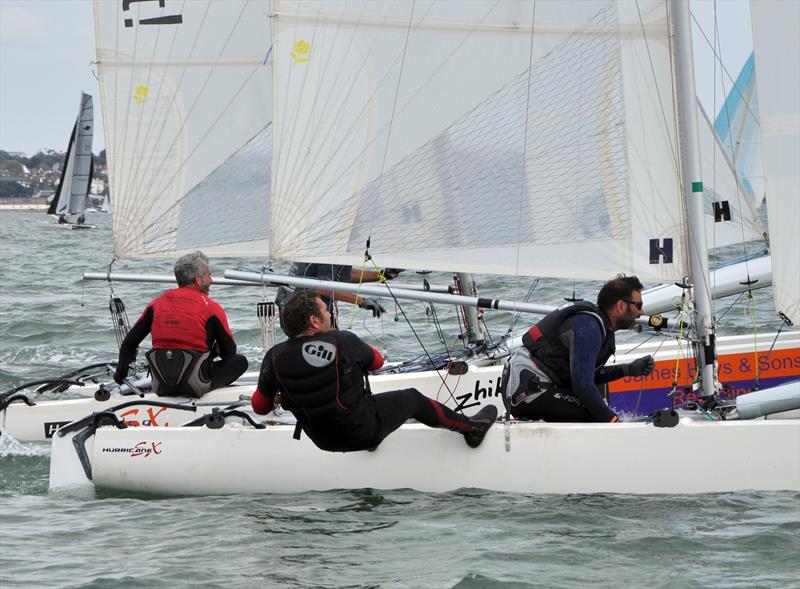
<point x="639" y="304"/>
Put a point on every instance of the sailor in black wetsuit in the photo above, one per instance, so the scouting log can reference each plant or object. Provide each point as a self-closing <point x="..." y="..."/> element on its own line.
<point x="336" y="273"/>
<point x="320" y="375"/>
<point x="554" y="376"/>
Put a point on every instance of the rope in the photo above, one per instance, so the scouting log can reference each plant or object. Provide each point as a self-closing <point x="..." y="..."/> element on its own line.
<point x="680" y="355"/>
<point x="524" y="160"/>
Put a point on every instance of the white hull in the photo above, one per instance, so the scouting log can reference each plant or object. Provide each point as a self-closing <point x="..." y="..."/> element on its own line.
<point x="69" y="226"/>
<point x="517" y="457"/>
<point x="467" y="392"/>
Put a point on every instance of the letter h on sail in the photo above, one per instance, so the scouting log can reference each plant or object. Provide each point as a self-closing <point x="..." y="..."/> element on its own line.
<point x="657" y="251"/>
<point x="722" y="211"/>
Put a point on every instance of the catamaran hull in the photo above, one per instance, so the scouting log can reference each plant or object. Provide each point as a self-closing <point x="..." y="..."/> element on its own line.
<point x="514" y="457"/>
<point x="69" y="226"/>
<point x="472" y="390"/>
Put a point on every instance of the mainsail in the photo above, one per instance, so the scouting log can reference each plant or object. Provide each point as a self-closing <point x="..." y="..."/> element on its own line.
<point x="76" y="176"/>
<point x="776" y="34"/>
<point x="492" y="137"/>
<point x="187" y="105"/>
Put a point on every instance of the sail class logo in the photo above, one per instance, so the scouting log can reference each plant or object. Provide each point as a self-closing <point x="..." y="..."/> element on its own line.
<point x="140" y="94"/>
<point x="301" y="50"/>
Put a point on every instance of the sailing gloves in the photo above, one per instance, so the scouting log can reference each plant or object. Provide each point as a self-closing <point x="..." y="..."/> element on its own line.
<point x="120" y="373"/>
<point x="639" y="367"/>
<point x="372" y="305"/>
<point x="391" y="273"/>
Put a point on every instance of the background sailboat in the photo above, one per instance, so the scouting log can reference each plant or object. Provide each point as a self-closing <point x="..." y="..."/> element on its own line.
<point x="69" y="201"/>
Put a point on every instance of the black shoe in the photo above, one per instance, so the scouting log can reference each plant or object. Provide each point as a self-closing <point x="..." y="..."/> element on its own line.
<point x="483" y="420"/>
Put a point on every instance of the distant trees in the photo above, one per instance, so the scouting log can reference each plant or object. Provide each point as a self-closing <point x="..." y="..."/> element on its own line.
<point x="13" y="189"/>
<point x="48" y="158"/>
<point x="23" y="176"/>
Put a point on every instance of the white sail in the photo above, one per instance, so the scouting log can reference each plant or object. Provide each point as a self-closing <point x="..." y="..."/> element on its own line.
<point x="70" y="197"/>
<point x="776" y="39"/>
<point x="730" y="215"/>
<point x="187" y="104"/>
<point x="413" y="129"/>
<point x="739" y="134"/>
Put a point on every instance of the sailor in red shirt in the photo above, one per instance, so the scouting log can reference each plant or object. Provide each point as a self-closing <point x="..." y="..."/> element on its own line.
<point x="189" y="330"/>
<point x="320" y="374"/>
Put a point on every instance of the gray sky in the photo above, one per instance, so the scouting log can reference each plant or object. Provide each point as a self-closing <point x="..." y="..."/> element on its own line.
<point x="46" y="50"/>
<point x="47" y="46"/>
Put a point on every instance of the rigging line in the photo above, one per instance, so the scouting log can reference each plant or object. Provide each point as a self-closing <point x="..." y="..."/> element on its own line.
<point x="516" y="316"/>
<point x="523" y="179"/>
<point x="391" y="119"/>
<point x="730" y="140"/>
<point x="422" y="345"/>
<point x="196" y="100"/>
<point x="732" y="305"/>
<point x="755" y="336"/>
<point x="724" y="69"/>
<point x="672" y="150"/>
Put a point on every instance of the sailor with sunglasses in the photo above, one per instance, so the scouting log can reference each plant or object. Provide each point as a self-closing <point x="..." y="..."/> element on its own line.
<point x="554" y="375"/>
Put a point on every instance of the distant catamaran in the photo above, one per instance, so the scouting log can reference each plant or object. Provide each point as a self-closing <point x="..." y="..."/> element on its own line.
<point x="69" y="201"/>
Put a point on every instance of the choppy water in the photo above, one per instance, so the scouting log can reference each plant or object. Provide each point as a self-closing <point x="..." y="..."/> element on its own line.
<point x="50" y="321"/>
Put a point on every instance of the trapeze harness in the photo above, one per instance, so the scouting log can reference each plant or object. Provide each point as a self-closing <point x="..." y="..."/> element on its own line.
<point x="543" y="360"/>
<point x="326" y="390"/>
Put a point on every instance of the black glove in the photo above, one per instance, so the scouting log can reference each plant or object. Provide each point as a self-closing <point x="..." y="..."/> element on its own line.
<point x="640" y="367"/>
<point x="120" y="373"/>
<point x="372" y="305"/>
<point x="391" y="273"/>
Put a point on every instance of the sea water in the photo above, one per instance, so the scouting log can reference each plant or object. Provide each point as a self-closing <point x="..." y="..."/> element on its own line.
<point x="51" y="321"/>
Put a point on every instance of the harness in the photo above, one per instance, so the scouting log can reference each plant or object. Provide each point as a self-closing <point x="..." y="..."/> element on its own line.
<point x="332" y="403"/>
<point x="543" y="341"/>
<point x="179" y="372"/>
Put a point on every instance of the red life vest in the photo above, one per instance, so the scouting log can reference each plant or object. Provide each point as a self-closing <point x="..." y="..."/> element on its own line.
<point x="180" y="319"/>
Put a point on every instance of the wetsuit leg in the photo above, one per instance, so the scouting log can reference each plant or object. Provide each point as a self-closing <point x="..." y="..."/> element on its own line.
<point x="397" y="407"/>
<point x="557" y="405"/>
<point x="224" y="372"/>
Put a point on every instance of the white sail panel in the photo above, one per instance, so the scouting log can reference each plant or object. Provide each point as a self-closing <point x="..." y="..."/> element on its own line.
<point x="457" y="138"/>
<point x="776" y="35"/>
<point x="187" y="104"/>
<point x="730" y="215"/>
<point x="739" y="134"/>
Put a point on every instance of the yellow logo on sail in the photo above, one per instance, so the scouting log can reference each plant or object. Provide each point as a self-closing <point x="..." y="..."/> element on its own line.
<point x="300" y="53"/>
<point x="140" y="94"/>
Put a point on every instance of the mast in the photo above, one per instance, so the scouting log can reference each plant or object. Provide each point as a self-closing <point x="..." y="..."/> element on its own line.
<point x="693" y="190"/>
<point x="472" y="328"/>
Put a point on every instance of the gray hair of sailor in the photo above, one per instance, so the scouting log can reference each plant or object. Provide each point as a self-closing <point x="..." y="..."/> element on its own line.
<point x="298" y="309"/>
<point x="190" y="265"/>
<point x="617" y="289"/>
